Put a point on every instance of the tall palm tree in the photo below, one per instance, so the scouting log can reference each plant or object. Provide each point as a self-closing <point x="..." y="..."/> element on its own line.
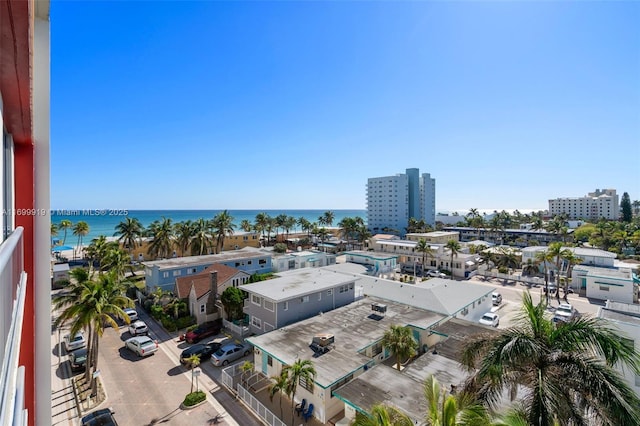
<point x="530" y="268"/>
<point x="91" y="305"/>
<point x="261" y="224"/>
<point x="302" y="369"/>
<point x="454" y="247"/>
<point x="245" y="225"/>
<point x="97" y="252"/>
<point x="305" y="225"/>
<point x="280" y="384"/>
<point x="568" y="370"/>
<point x="117" y="260"/>
<point x="571" y="259"/>
<point x="280" y="221"/>
<point x="383" y="415"/>
<point x="222" y="225"/>
<point x="328" y="216"/>
<point x="545" y="258"/>
<point x="184" y="232"/>
<point x="201" y="237"/>
<point x="54" y="230"/>
<point x="289" y="224"/>
<point x="425" y="248"/>
<point x="399" y="339"/>
<point x="162" y="239"/>
<point x="347" y="228"/>
<point x="130" y="233"/>
<point x="80" y="229"/>
<point x="557" y="252"/>
<point x="64" y="225"/>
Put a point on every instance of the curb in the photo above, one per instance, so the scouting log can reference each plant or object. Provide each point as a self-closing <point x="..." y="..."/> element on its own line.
<point x="191" y="407"/>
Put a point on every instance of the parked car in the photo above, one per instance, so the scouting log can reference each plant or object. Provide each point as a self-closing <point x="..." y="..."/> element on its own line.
<point x="206" y="329"/>
<point x="131" y="313"/>
<point x="138" y="328"/>
<point x="103" y="417"/>
<point x="491" y="319"/>
<point x="565" y="310"/>
<point x="78" y="360"/>
<point x="496" y="298"/>
<point x="78" y="341"/>
<point x="436" y="274"/>
<point x="552" y="289"/>
<point x="141" y="345"/>
<point x="229" y="353"/>
<point x="204" y="350"/>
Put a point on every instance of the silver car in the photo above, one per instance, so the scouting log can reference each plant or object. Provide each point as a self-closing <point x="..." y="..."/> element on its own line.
<point x="229" y="353"/>
<point x="141" y="345"/>
<point x="78" y="341"/>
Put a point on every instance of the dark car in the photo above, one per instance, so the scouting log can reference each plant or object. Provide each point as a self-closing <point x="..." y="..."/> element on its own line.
<point x="78" y="359"/>
<point x="206" y="329"/>
<point x="102" y="417"/>
<point x="204" y="350"/>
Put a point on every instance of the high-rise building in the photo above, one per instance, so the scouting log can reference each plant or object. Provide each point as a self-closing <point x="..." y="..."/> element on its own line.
<point x="25" y="244"/>
<point x="595" y="205"/>
<point x="392" y="200"/>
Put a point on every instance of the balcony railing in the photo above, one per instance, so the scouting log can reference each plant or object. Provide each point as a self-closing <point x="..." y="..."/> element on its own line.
<point x="13" y="280"/>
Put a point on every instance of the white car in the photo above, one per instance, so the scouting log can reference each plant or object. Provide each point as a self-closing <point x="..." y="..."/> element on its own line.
<point x="78" y="341"/>
<point x="491" y="319"/>
<point x="496" y="298"/>
<point x="131" y="313"/>
<point x="436" y="274"/>
<point x="565" y="310"/>
<point x="137" y="328"/>
<point x="141" y="345"/>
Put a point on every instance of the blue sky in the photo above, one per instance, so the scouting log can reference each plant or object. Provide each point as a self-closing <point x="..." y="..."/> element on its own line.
<point x="294" y="104"/>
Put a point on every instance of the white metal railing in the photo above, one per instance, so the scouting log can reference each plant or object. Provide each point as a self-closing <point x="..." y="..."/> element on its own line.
<point x="228" y="374"/>
<point x="258" y="408"/>
<point x="13" y="281"/>
<point x="238" y="330"/>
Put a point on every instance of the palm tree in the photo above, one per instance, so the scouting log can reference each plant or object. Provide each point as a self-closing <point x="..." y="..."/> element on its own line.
<point x="567" y="369"/>
<point x="193" y="362"/>
<point x="289" y="224"/>
<point x="557" y="252"/>
<point x="280" y="384"/>
<point x="305" y="225"/>
<point x="383" y="415"/>
<point x="425" y="248"/>
<point x="454" y="247"/>
<point x="545" y="258"/>
<point x="130" y="233"/>
<point x="347" y="228"/>
<point x="572" y="260"/>
<point x="280" y="221"/>
<point x="400" y="341"/>
<point x="97" y="252"/>
<point x="201" y="237"/>
<point x="161" y="238"/>
<point x="328" y="217"/>
<point x="445" y="409"/>
<point x="54" y="231"/>
<point x="222" y="225"/>
<point x="530" y="268"/>
<point x="80" y="230"/>
<point x="302" y="369"/>
<point x="245" y="225"/>
<point x="117" y="260"/>
<point x="64" y="225"/>
<point x="261" y="224"/>
<point x="183" y="232"/>
<point x="91" y="305"/>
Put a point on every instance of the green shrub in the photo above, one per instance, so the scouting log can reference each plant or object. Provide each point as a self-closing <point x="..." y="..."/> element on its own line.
<point x="503" y="270"/>
<point x="168" y="323"/>
<point x="61" y="284"/>
<point x="192" y="327"/>
<point x="280" y="248"/>
<point x="194" y="398"/>
<point x="157" y="312"/>
<point x="183" y="322"/>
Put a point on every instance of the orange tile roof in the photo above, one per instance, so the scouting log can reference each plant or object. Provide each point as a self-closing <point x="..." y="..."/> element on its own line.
<point x="202" y="280"/>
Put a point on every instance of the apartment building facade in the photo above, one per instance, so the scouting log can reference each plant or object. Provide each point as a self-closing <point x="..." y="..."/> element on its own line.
<point x="392" y="200"/>
<point x="25" y="268"/>
<point x="593" y="206"/>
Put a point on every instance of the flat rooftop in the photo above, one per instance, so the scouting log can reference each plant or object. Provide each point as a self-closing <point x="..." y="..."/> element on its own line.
<point x="354" y="329"/>
<point x="372" y="254"/>
<point x="177" y="262"/>
<point x="297" y="282"/>
<point x="604" y="272"/>
<point x="620" y="317"/>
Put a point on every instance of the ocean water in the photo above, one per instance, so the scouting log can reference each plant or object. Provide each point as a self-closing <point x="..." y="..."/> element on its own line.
<point x="103" y="222"/>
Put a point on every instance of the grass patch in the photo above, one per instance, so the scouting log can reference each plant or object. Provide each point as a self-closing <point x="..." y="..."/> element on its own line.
<point x="194" y="398"/>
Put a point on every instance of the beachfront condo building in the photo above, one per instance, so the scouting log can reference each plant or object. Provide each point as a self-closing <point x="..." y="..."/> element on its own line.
<point x="601" y="204"/>
<point x="25" y="267"/>
<point x="392" y="200"/>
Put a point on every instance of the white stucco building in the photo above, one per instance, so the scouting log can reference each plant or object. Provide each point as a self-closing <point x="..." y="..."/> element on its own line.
<point x="392" y="200"/>
<point x="595" y="205"/>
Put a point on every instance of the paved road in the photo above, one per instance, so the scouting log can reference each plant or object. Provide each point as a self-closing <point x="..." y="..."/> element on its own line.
<point x="512" y="299"/>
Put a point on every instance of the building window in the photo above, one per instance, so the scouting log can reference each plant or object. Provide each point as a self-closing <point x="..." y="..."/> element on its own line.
<point x="304" y="299"/>
<point x="306" y="384"/>
<point x="256" y="322"/>
<point x="177" y="273"/>
<point x="165" y="275"/>
<point x="319" y="296"/>
<point x="285" y="307"/>
<point x="292" y="264"/>
<point x="603" y="288"/>
<point x="268" y="305"/>
<point x="262" y="261"/>
<point x="270" y="361"/>
<point x="203" y="308"/>
<point x="256" y="300"/>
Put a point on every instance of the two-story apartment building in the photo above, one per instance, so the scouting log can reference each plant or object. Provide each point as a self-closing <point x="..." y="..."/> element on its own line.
<point x="163" y="273"/>
<point x="294" y="296"/>
<point x="589" y="256"/>
<point x="436" y="237"/>
<point x="519" y="237"/>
